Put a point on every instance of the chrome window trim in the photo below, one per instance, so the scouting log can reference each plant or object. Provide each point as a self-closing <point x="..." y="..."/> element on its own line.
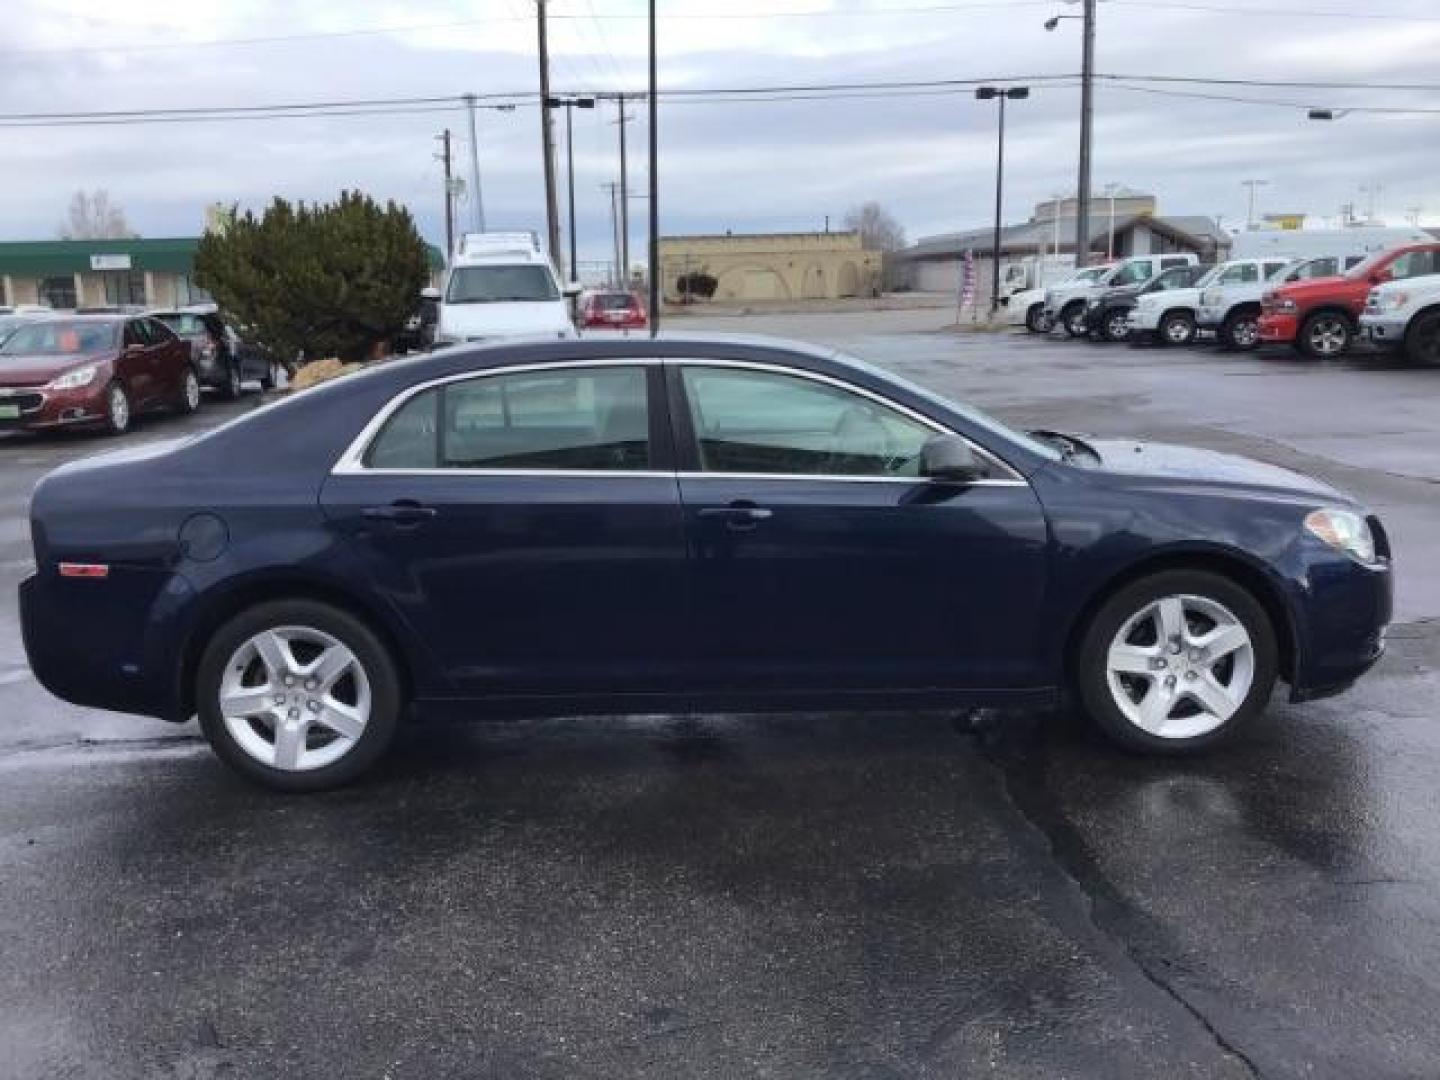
<point x="352" y="461"/>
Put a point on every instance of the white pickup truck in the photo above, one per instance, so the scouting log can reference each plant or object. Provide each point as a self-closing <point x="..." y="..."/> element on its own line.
<point x="1065" y="303"/>
<point x="1405" y="316"/>
<point x="1230" y="301"/>
<point x="1027" y="308"/>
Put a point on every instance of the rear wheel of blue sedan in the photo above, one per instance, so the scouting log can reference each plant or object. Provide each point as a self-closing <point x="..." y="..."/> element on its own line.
<point x="298" y="695"/>
<point x="1177" y="662"/>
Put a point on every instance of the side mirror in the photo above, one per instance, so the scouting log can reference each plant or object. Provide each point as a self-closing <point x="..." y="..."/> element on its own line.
<point x="430" y="293"/>
<point x="573" y="289"/>
<point x="949" y="458"/>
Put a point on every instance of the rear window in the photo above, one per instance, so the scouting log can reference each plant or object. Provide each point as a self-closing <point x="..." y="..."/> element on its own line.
<point x="614" y="301"/>
<point x="183" y="323"/>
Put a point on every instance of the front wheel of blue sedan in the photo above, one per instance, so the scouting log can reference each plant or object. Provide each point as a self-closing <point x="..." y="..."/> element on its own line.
<point x="298" y="695"/>
<point x="1177" y="662"/>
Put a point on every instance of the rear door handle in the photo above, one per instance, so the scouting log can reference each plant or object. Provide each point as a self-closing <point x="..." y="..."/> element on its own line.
<point x="736" y="517"/>
<point x="400" y="513"/>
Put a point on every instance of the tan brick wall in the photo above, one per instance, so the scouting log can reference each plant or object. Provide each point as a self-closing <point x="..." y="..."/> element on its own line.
<point x="775" y="266"/>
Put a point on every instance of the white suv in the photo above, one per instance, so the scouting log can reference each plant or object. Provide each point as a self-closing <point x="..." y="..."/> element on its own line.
<point x="502" y="285"/>
<point x="1405" y="315"/>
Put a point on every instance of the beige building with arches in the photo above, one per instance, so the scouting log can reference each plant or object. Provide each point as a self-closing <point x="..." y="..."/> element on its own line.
<point x="760" y="267"/>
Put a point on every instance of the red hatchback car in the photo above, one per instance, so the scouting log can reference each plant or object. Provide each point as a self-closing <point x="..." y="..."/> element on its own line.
<point x="93" y="371"/>
<point x="612" y="310"/>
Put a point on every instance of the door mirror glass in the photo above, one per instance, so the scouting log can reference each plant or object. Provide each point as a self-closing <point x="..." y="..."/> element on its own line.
<point x="950" y="458"/>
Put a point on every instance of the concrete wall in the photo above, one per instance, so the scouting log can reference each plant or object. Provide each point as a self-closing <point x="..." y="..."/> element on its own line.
<point x="774" y="266"/>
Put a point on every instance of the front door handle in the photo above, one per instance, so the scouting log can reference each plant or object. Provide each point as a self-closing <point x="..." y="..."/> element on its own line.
<point x="737" y="516"/>
<point x="404" y="512"/>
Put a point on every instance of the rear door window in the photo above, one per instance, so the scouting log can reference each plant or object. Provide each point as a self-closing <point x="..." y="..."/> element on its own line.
<point x="565" y="419"/>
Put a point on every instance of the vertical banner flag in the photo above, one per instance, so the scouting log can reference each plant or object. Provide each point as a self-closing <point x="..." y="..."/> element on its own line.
<point x="967" y="279"/>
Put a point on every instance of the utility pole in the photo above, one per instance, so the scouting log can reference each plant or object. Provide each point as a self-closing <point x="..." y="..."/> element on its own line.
<point x="547" y="142"/>
<point x="624" y="197"/>
<point x="479" y="202"/>
<point x="444" y="156"/>
<point x="654" y="183"/>
<point x="1250" y="213"/>
<point x="619" y="279"/>
<point x="1087" y="120"/>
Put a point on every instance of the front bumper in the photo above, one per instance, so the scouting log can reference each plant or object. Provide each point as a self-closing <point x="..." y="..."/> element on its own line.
<point x="1341" y="623"/>
<point x="1279" y="329"/>
<point x="1384" y="331"/>
<point x="1144" y="320"/>
<point x="41" y="409"/>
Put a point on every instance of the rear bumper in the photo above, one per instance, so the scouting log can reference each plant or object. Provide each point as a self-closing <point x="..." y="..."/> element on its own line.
<point x="108" y="643"/>
<point x="1279" y="329"/>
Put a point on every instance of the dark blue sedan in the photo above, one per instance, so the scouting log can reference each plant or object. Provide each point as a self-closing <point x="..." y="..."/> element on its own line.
<point x="647" y="526"/>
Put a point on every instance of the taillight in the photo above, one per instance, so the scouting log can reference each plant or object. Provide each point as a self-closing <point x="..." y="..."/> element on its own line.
<point x="84" y="570"/>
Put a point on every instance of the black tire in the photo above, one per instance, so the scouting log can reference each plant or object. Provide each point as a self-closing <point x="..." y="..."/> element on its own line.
<point x="233" y="386"/>
<point x="1422" y="340"/>
<point x="271" y="379"/>
<point x="1115" y="324"/>
<point x="1072" y="318"/>
<point x="118" y="411"/>
<point x="190" y="393"/>
<point x="380" y="670"/>
<point x="1325" y="335"/>
<point x="1176" y="328"/>
<point x="1240" y="332"/>
<point x="1035" y="320"/>
<point x="1091" y="660"/>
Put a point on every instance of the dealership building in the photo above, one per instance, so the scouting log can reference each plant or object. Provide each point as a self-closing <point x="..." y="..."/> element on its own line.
<point x="68" y="274"/>
<point x="95" y="273"/>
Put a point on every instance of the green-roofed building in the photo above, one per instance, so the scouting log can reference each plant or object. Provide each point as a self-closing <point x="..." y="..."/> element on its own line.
<point x="65" y="274"/>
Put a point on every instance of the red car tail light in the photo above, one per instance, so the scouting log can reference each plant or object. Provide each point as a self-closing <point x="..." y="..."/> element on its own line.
<point x="84" y="570"/>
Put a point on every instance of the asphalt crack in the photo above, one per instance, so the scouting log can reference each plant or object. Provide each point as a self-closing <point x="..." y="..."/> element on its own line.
<point x="1106" y="911"/>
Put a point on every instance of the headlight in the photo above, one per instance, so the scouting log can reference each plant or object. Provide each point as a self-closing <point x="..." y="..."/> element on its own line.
<point x="1286" y="306"/>
<point x="1343" y="530"/>
<point x="73" y="380"/>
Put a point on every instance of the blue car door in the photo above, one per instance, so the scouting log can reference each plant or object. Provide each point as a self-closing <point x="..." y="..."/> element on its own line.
<point x="822" y="562"/>
<point x="526" y="525"/>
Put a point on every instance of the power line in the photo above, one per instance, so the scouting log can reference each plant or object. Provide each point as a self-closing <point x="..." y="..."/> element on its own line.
<point x="1281" y="84"/>
<point x="1288" y="13"/>
<point x="1198" y="95"/>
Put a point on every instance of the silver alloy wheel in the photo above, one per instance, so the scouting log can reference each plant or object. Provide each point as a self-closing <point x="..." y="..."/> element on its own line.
<point x="295" y="698"/>
<point x="1246" y="333"/>
<point x="1329" y="336"/>
<point x="1076" y="323"/>
<point x="1118" y="328"/>
<point x="192" y="391"/>
<point x="1180" y="667"/>
<point x="1178" y="331"/>
<point x="119" y="405"/>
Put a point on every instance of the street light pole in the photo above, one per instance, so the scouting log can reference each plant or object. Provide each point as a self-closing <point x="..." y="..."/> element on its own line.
<point x="1000" y="93"/>
<point x="1250" y="213"/>
<point x="654" y="184"/>
<point x="569" y="104"/>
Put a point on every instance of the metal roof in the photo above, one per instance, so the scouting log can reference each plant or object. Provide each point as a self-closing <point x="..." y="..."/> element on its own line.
<point x="1033" y="236"/>
<point x="176" y="254"/>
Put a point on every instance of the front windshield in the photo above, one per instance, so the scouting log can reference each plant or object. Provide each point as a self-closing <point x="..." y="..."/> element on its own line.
<point x="980" y="419"/>
<point x="523" y="282"/>
<point x="60" y="338"/>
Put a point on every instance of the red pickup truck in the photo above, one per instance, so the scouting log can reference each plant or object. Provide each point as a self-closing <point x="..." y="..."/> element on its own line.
<point x="1321" y="317"/>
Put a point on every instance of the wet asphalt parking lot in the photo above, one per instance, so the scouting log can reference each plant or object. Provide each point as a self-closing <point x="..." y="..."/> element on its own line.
<point x="837" y="896"/>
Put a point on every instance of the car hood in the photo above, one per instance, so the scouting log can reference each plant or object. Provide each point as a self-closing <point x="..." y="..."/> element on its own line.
<point x="465" y="322"/>
<point x="1165" y="461"/>
<point x="1187" y="297"/>
<point x="39" y="370"/>
<point x="1298" y="290"/>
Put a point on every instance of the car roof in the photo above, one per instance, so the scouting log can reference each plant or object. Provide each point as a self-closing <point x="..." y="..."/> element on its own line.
<point x="89" y="316"/>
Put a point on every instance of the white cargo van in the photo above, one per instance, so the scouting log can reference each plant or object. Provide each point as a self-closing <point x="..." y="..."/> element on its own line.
<point x="502" y="285"/>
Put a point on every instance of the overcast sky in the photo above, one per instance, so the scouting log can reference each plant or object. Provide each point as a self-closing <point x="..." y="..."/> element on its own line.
<point x="731" y="165"/>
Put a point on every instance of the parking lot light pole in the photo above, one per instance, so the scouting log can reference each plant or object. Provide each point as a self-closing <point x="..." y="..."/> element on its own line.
<point x="569" y="104"/>
<point x="1000" y="94"/>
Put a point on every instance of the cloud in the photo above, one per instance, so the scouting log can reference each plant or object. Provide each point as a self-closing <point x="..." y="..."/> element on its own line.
<point x="739" y="165"/>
